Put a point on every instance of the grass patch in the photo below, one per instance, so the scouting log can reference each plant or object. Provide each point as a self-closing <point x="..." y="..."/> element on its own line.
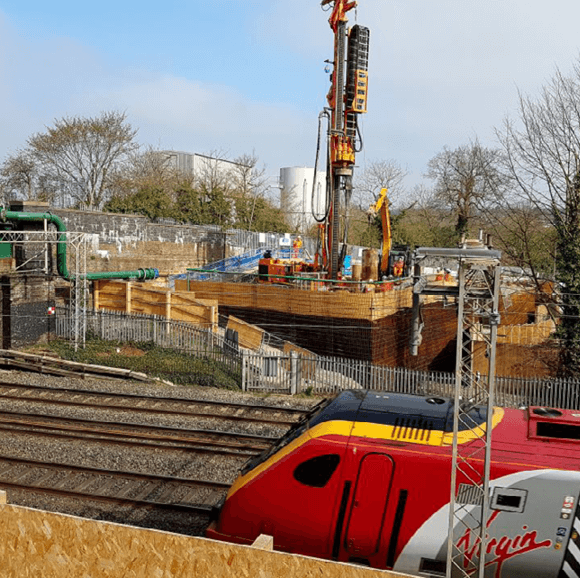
<point x="155" y="361"/>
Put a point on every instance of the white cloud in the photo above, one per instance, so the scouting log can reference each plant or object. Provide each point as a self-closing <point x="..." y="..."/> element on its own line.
<point x="42" y="81"/>
<point x="193" y="116"/>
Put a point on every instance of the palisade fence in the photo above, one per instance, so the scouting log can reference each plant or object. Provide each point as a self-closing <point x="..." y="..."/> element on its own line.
<point x="295" y="372"/>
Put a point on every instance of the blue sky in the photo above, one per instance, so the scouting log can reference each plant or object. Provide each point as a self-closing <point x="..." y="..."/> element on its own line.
<point x="236" y="76"/>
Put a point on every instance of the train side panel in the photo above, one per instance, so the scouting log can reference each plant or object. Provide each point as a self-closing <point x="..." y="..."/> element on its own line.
<point x="295" y="500"/>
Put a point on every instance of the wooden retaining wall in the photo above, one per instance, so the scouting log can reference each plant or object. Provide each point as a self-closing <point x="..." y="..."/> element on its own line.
<point x="132" y="297"/>
<point x="338" y="304"/>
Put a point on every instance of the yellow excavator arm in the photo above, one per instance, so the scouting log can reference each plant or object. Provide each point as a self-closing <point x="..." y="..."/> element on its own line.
<point x="382" y="206"/>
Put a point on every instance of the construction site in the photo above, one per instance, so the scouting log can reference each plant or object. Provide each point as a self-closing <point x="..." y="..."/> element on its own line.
<point x="414" y="357"/>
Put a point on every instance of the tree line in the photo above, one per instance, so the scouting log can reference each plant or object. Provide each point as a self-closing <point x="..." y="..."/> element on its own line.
<point x="525" y="192"/>
<point x="95" y="163"/>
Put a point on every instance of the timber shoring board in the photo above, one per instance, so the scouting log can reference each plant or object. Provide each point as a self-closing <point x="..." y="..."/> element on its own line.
<point x="249" y="336"/>
<point x="48" y="364"/>
<point x="139" y="298"/>
<point x="308" y="368"/>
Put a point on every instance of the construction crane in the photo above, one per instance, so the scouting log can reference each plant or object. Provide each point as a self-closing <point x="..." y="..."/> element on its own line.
<point x="347" y="99"/>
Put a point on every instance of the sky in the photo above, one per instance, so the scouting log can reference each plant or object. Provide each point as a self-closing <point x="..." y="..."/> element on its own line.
<point x="247" y="76"/>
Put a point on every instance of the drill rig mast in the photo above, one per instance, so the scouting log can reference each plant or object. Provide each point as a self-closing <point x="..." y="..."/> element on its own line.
<point x="347" y="99"/>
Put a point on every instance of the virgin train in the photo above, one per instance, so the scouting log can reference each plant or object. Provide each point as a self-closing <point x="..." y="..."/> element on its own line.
<point x="365" y="478"/>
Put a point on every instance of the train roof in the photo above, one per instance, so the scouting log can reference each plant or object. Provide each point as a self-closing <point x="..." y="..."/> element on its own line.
<point x="433" y="412"/>
<point x="552" y="434"/>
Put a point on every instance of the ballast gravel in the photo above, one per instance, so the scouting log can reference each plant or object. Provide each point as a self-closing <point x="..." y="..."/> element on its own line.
<point x="103" y="455"/>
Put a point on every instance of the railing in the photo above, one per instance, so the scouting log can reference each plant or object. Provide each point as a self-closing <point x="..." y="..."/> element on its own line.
<point x="295" y="372"/>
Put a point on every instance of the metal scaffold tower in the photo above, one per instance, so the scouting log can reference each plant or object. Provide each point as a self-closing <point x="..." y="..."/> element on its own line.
<point x="37" y="249"/>
<point x="477" y="295"/>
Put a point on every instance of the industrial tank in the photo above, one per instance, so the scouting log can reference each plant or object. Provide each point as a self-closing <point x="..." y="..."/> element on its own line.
<point x="296" y="195"/>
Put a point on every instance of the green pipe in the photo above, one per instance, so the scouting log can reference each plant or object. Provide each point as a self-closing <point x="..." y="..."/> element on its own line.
<point x="140" y="274"/>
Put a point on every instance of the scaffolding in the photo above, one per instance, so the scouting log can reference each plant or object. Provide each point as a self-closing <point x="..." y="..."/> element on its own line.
<point x="477" y="296"/>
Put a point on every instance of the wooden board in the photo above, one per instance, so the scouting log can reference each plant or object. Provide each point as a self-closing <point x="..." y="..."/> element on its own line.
<point x="40" y="544"/>
<point x="340" y="304"/>
<point x="139" y="298"/>
<point x="249" y="336"/>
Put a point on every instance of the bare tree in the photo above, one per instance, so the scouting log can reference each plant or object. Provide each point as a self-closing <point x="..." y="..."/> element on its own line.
<point x="145" y="167"/>
<point x="543" y="156"/>
<point x="249" y="183"/>
<point x="212" y="172"/>
<point x="19" y="176"/>
<point x="465" y="178"/>
<point x="81" y="153"/>
<point x="425" y="222"/>
<point x="375" y="176"/>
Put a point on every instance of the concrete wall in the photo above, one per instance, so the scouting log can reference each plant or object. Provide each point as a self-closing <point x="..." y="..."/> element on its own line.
<point x="128" y="242"/>
<point x="35" y="543"/>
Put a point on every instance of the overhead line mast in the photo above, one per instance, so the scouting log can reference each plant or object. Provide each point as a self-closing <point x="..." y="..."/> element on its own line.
<point x="347" y="99"/>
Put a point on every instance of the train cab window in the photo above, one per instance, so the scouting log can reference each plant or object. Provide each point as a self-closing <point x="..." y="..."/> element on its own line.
<point x="316" y="472"/>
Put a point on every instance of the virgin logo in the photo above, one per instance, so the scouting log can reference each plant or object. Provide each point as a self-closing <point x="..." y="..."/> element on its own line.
<point x="501" y="549"/>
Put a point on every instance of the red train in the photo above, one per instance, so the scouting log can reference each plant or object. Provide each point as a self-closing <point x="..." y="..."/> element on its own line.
<point x="365" y="478"/>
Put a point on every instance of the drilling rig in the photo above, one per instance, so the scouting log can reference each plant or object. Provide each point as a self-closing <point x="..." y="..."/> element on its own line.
<point x="347" y="99"/>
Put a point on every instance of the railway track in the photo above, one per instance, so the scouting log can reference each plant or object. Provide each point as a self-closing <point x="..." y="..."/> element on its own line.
<point x="119" y="427"/>
<point x="240" y="412"/>
<point x="176" y="503"/>
<point x="134" y="435"/>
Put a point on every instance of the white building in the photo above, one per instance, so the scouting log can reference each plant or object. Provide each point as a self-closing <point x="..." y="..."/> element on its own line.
<point x="199" y="165"/>
<point x="296" y="199"/>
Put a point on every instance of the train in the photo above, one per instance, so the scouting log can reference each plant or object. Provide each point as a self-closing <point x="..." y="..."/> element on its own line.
<point x="365" y="477"/>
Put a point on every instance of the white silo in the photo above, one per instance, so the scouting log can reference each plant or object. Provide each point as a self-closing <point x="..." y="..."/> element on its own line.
<point x="296" y="198"/>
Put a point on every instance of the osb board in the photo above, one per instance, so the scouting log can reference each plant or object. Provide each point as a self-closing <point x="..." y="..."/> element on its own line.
<point x="517" y="360"/>
<point x="112" y="303"/>
<point x="182" y="286"/>
<point x="340" y="304"/>
<point x="39" y="544"/>
<point x="289" y="347"/>
<point x="110" y="287"/>
<point x="526" y="334"/>
<point x="249" y="336"/>
<point x="185" y="307"/>
<point x="148" y="301"/>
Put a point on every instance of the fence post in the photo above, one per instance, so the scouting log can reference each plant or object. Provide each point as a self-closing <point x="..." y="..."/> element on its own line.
<point x="128" y="297"/>
<point x="244" y="372"/>
<point x="97" y="294"/>
<point x="295" y="372"/>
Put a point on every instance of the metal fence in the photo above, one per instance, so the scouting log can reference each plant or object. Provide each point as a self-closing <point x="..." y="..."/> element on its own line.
<point x="171" y="334"/>
<point x="273" y="371"/>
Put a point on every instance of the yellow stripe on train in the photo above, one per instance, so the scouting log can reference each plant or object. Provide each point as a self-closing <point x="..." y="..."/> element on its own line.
<point x="368" y="431"/>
